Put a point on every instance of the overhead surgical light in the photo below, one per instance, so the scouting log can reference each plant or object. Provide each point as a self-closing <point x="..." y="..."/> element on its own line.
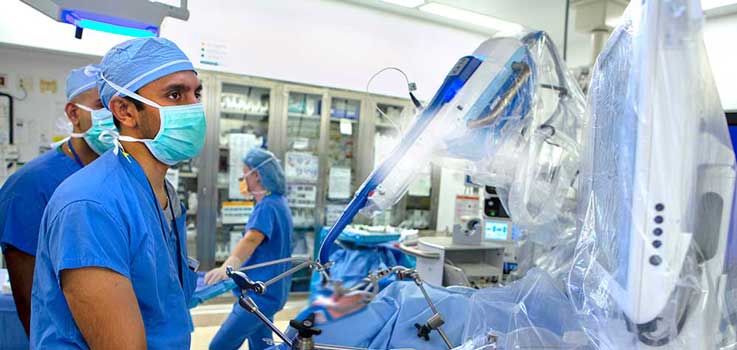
<point x="470" y="17"/>
<point x="406" y="3"/>
<point x="136" y="18"/>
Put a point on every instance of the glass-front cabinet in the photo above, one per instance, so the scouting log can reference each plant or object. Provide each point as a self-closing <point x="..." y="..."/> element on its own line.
<point x="341" y="175"/>
<point x="244" y="124"/>
<point x="390" y="120"/>
<point x="327" y="140"/>
<point x="304" y="111"/>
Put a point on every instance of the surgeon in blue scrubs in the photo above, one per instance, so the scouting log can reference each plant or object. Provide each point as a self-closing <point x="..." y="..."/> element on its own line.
<point x="25" y="194"/>
<point x="111" y="267"/>
<point x="267" y="237"/>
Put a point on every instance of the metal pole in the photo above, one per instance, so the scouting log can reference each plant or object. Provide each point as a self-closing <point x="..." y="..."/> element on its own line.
<point x="287" y="273"/>
<point x="273" y="262"/>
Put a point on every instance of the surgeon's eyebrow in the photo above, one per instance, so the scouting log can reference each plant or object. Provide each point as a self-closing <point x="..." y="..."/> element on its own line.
<point x="175" y="88"/>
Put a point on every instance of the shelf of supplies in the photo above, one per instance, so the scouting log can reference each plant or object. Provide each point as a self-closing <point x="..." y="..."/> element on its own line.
<point x="187" y="175"/>
<point x="386" y="126"/>
<point x="301" y="182"/>
<point x="304" y="116"/>
<point x="192" y="214"/>
<point x="338" y="120"/>
<point x="244" y="113"/>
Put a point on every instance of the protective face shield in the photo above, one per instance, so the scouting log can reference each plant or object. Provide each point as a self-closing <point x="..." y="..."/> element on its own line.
<point x="243" y="184"/>
<point x="181" y="133"/>
<point x="102" y="120"/>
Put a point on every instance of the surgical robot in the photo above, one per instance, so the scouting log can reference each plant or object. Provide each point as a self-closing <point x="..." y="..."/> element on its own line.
<point x="657" y="188"/>
<point x="510" y="99"/>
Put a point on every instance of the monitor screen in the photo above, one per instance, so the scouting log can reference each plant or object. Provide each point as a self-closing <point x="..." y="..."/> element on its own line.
<point x="496" y="230"/>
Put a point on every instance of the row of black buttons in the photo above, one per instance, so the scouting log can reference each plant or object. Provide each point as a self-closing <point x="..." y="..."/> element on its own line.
<point x="656" y="260"/>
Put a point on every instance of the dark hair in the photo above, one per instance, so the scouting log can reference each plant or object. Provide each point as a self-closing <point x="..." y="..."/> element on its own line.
<point x="139" y="107"/>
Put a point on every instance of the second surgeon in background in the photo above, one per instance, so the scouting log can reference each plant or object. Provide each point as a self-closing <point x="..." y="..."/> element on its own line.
<point x="267" y="237"/>
<point x="24" y="196"/>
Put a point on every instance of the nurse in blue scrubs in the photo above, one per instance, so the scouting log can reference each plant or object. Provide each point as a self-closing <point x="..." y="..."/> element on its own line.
<point x="267" y="237"/>
<point x="111" y="267"/>
<point x="23" y="197"/>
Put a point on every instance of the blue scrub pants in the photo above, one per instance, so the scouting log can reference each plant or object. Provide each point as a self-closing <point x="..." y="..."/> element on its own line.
<point x="241" y="325"/>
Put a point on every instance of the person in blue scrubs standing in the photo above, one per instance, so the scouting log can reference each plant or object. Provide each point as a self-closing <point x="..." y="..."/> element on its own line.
<point x="267" y="237"/>
<point x="25" y="194"/>
<point x="112" y="270"/>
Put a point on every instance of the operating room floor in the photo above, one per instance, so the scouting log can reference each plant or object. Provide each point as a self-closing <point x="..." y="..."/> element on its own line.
<point x="208" y="317"/>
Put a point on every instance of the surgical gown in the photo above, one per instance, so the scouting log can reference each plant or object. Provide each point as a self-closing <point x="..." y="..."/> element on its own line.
<point x="106" y="215"/>
<point x="25" y="194"/>
<point x="272" y="217"/>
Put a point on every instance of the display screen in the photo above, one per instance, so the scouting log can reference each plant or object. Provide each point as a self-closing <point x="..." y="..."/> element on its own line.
<point x="496" y="231"/>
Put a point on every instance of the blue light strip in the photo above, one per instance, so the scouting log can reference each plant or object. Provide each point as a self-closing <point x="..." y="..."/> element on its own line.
<point x="455" y="80"/>
<point x="111" y="28"/>
<point x="108" y="24"/>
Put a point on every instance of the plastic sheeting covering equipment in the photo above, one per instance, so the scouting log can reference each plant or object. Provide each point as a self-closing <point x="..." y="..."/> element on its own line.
<point x="657" y="185"/>
<point x="509" y="115"/>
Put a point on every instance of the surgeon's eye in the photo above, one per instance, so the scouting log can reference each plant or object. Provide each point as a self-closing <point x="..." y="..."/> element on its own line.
<point x="198" y="95"/>
<point x="175" y="95"/>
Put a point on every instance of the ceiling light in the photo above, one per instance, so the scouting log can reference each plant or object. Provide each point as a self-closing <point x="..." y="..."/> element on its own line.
<point x="406" y="3"/>
<point x="712" y="4"/>
<point x="478" y="19"/>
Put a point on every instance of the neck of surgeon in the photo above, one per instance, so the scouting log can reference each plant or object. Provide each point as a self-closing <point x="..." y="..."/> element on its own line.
<point x="154" y="169"/>
<point x="83" y="150"/>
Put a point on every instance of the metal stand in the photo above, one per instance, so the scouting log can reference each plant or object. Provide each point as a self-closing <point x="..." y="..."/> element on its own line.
<point x="306" y="328"/>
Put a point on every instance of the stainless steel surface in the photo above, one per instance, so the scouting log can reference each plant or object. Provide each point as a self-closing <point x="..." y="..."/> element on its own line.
<point x="207" y="175"/>
<point x="417" y="252"/>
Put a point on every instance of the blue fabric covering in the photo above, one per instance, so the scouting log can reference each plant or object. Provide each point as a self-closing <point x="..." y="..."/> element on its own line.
<point x="24" y="196"/>
<point x="271" y="173"/>
<point x="106" y="215"/>
<point x="529" y="313"/>
<point x="353" y="264"/>
<point x="81" y="79"/>
<point x="135" y="63"/>
<point x="388" y="321"/>
<point x="11" y="330"/>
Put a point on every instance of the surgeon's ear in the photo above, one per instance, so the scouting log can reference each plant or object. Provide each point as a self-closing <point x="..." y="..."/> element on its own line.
<point x="125" y="112"/>
<point x="71" y="110"/>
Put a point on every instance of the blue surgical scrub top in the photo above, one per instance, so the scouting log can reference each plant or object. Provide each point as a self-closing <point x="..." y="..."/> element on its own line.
<point x="106" y="215"/>
<point x="272" y="217"/>
<point x="25" y="194"/>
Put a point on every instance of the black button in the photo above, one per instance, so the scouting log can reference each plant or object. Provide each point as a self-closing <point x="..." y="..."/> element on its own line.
<point x="657" y="243"/>
<point x="655" y="260"/>
<point x="658" y="231"/>
<point x="658" y="219"/>
<point x="659" y="207"/>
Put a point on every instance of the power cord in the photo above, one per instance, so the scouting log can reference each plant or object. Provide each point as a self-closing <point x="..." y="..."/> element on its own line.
<point x="411" y="87"/>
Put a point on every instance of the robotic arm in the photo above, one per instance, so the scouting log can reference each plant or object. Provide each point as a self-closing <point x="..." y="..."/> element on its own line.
<point x="507" y="115"/>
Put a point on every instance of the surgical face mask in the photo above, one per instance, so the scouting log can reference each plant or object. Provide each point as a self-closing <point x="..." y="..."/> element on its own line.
<point x="245" y="191"/>
<point x="181" y="133"/>
<point x="102" y="120"/>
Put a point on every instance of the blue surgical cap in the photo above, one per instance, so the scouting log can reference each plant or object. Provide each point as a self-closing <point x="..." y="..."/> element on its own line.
<point x="137" y="62"/>
<point x="268" y="168"/>
<point x="82" y="79"/>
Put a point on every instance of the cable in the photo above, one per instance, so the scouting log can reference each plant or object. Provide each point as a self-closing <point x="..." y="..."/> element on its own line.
<point x="410" y="88"/>
<point x="25" y="94"/>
